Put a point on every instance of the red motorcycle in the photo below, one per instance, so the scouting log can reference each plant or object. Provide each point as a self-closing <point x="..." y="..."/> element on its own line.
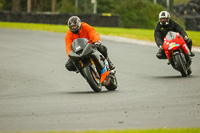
<point x="177" y="53"/>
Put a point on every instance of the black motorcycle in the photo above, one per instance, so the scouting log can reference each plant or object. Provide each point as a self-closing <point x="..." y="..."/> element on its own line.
<point x="92" y="65"/>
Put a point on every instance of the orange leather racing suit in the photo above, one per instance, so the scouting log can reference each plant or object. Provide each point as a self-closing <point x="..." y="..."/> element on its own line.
<point x="86" y="31"/>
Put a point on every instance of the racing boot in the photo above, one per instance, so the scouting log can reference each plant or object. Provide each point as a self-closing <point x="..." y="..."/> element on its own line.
<point x="192" y="54"/>
<point x="160" y="53"/>
<point x="169" y="62"/>
<point x="189" y="44"/>
<point x="111" y="65"/>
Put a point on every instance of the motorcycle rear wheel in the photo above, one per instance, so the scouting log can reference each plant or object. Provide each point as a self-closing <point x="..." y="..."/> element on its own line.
<point x="181" y="65"/>
<point x="93" y="81"/>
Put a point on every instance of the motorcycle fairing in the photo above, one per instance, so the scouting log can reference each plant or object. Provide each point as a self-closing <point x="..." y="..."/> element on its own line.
<point x="186" y="49"/>
<point x="79" y="44"/>
<point x="81" y="51"/>
<point x="173" y="41"/>
<point x="104" y="74"/>
<point x="172" y="45"/>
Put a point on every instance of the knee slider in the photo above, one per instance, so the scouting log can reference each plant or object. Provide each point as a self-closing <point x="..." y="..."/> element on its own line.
<point x="70" y="66"/>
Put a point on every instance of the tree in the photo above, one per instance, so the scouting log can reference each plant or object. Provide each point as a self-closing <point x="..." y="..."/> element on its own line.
<point x="67" y="6"/>
<point x="107" y="6"/>
<point x="29" y="3"/>
<point x="16" y="5"/>
<point x="138" y="14"/>
<point x="53" y="5"/>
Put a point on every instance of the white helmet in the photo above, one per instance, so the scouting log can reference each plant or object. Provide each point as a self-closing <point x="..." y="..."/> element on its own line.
<point x="164" y="15"/>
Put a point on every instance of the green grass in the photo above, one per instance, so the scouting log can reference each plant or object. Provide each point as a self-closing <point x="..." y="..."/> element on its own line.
<point x="191" y="130"/>
<point x="177" y="2"/>
<point x="141" y="34"/>
<point x="33" y="26"/>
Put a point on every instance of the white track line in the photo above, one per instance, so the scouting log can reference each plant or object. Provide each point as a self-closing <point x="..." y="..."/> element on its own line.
<point x="129" y="40"/>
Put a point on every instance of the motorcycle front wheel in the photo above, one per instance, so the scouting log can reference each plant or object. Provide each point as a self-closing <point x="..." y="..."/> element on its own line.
<point x="189" y="71"/>
<point x="181" y="65"/>
<point x="92" y="79"/>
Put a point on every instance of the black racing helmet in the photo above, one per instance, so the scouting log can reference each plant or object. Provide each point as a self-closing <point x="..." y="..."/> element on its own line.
<point x="74" y="24"/>
<point x="164" y="15"/>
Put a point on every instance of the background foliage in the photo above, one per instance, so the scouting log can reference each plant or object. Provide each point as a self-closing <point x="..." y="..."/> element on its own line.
<point x="138" y="14"/>
<point x="133" y="13"/>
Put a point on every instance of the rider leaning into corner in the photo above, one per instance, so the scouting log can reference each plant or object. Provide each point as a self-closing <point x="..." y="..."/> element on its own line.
<point x="78" y="29"/>
<point x="164" y="25"/>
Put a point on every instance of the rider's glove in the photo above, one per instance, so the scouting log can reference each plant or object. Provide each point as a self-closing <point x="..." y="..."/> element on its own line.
<point x="186" y="38"/>
<point x="97" y="44"/>
<point x="161" y="47"/>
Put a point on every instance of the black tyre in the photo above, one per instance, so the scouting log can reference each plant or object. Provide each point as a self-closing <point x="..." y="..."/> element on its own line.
<point x="113" y="83"/>
<point x="93" y="81"/>
<point x="181" y="65"/>
<point x="189" y="71"/>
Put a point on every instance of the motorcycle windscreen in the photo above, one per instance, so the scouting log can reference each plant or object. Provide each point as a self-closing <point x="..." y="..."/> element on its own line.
<point x="171" y="35"/>
<point x="79" y="44"/>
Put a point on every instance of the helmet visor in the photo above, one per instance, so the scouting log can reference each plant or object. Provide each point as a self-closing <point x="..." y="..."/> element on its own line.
<point x="74" y="27"/>
<point x="163" y="19"/>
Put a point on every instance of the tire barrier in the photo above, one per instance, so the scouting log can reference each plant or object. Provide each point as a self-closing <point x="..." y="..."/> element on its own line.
<point x="191" y="14"/>
<point x="192" y="23"/>
<point x="100" y="20"/>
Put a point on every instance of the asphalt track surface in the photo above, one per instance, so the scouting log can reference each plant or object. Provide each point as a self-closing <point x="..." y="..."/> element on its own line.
<point x="37" y="93"/>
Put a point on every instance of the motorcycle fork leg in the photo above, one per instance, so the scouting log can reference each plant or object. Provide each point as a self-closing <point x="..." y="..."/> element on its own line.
<point x="94" y="68"/>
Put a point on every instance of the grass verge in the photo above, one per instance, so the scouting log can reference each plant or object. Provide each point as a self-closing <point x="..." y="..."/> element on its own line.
<point x="140" y="34"/>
